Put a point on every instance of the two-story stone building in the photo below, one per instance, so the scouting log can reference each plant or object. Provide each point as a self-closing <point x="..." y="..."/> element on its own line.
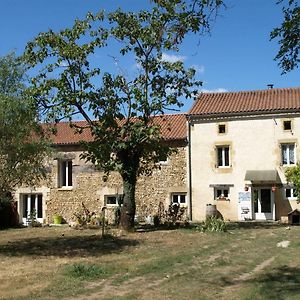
<point x="232" y="151"/>
<point x="240" y="144"/>
<point x="73" y="180"/>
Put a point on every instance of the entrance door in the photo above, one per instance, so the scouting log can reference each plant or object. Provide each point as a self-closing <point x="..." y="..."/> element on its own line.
<point x="263" y="204"/>
<point x="31" y="205"/>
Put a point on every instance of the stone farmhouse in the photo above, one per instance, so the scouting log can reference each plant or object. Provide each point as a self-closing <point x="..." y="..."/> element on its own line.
<point x="232" y="151"/>
<point x="73" y="181"/>
<point x="240" y="144"/>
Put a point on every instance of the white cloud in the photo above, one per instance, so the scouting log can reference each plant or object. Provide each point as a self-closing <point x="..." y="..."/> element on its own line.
<point x="172" y="57"/>
<point x="218" y="90"/>
<point x="199" y="68"/>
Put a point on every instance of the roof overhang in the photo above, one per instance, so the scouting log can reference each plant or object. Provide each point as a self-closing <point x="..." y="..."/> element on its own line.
<point x="263" y="176"/>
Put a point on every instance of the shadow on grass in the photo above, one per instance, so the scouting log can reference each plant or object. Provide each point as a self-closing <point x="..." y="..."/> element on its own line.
<point x="66" y="246"/>
<point x="254" y="224"/>
<point x="277" y="283"/>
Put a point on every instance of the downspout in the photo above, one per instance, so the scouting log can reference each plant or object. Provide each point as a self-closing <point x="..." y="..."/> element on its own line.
<point x="190" y="169"/>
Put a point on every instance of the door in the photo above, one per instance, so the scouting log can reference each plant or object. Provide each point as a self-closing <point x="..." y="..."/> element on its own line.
<point x="31" y="206"/>
<point x="263" y="204"/>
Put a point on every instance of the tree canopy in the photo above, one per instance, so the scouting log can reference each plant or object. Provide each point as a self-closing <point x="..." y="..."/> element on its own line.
<point x="119" y="109"/>
<point x="22" y="148"/>
<point x="288" y="34"/>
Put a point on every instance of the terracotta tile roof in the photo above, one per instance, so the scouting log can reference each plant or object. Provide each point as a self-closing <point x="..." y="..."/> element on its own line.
<point x="271" y="100"/>
<point x="173" y="127"/>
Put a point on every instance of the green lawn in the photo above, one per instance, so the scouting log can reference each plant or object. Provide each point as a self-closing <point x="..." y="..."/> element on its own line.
<point x="63" y="263"/>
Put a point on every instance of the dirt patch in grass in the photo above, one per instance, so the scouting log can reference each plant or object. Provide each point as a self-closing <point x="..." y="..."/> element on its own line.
<point x="176" y="264"/>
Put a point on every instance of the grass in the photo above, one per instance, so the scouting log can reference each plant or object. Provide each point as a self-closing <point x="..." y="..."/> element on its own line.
<point x="242" y="263"/>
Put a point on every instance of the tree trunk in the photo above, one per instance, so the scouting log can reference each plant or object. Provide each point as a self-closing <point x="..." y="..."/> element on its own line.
<point x="128" y="209"/>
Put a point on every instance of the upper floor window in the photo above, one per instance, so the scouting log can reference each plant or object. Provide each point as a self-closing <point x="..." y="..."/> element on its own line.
<point x="288" y="154"/>
<point x="221" y="128"/>
<point x="287" y="125"/>
<point x="223" y="156"/>
<point x="65" y="173"/>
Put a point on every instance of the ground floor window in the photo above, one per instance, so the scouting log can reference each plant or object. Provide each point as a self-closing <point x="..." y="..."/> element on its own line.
<point x="290" y="194"/>
<point x="179" y="198"/>
<point x="221" y="193"/>
<point x="113" y="200"/>
<point x="32" y="205"/>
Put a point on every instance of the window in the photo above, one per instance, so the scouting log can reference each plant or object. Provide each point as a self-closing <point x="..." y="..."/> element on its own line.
<point x="288" y="154"/>
<point x="113" y="200"/>
<point x="65" y="173"/>
<point x="222" y="128"/>
<point x="223" y="156"/>
<point x="290" y="193"/>
<point x="179" y="198"/>
<point x="287" y="125"/>
<point x="32" y="203"/>
<point x="221" y="193"/>
<point x="163" y="159"/>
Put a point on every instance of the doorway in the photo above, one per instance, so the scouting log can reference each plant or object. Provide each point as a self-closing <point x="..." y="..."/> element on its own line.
<point x="263" y="204"/>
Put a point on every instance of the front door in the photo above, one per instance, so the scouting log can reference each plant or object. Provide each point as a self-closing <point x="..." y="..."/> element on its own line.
<point x="263" y="204"/>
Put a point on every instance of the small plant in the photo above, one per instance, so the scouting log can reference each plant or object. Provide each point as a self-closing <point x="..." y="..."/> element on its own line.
<point x="85" y="217"/>
<point x="31" y="219"/>
<point x="213" y="224"/>
<point x="170" y="217"/>
<point x="85" y="271"/>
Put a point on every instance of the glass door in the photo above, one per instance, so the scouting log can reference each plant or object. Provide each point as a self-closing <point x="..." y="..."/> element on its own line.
<point x="263" y="204"/>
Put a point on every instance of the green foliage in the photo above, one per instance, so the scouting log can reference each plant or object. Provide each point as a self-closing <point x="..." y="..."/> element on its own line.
<point x="85" y="217"/>
<point x="23" y="146"/>
<point x="293" y="176"/>
<point x="288" y="34"/>
<point x="213" y="224"/>
<point x="123" y="108"/>
<point x="85" y="272"/>
<point x="171" y="216"/>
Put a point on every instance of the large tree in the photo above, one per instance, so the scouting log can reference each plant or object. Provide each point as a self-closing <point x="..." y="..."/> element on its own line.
<point x="288" y="34"/>
<point x="22" y="147"/>
<point x="119" y="109"/>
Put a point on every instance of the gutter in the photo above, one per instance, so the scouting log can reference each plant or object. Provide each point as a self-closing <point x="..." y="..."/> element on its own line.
<point x="190" y="170"/>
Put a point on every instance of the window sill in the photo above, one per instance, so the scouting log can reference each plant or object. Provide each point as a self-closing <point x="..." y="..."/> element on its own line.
<point x="222" y="199"/>
<point x="65" y="188"/>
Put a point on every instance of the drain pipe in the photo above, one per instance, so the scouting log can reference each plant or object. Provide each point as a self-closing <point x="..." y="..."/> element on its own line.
<point x="190" y="168"/>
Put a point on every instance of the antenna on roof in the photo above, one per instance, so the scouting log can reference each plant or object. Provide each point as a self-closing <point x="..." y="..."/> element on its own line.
<point x="270" y="86"/>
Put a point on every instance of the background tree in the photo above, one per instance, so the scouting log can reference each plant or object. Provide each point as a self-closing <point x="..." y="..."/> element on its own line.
<point x="120" y="110"/>
<point x="21" y="155"/>
<point x="288" y="34"/>
<point x="293" y="176"/>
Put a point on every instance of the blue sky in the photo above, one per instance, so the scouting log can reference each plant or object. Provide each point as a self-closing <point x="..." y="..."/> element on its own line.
<point x="236" y="56"/>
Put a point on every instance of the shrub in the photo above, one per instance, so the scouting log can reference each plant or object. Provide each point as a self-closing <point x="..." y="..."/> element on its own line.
<point x="213" y="224"/>
<point x="85" y="217"/>
<point x="171" y="216"/>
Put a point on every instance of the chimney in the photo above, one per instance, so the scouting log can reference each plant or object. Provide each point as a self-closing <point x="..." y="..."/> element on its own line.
<point x="270" y="86"/>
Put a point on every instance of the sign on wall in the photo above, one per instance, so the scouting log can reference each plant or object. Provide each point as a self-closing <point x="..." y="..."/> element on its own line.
<point x="244" y="206"/>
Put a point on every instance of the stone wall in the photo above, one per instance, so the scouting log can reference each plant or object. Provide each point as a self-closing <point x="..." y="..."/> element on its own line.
<point x="90" y="188"/>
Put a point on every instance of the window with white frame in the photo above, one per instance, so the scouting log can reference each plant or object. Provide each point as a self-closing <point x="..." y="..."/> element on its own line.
<point x="223" y="156"/>
<point x="290" y="194"/>
<point x="288" y="154"/>
<point x="179" y="198"/>
<point x="113" y="200"/>
<point x="221" y="193"/>
<point x="65" y="168"/>
<point x="32" y="204"/>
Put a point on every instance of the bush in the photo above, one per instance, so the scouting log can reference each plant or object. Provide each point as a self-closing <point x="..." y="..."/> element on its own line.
<point x="171" y="216"/>
<point x="85" y="217"/>
<point x="213" y="224"/>
<point x="8" y="213"/>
